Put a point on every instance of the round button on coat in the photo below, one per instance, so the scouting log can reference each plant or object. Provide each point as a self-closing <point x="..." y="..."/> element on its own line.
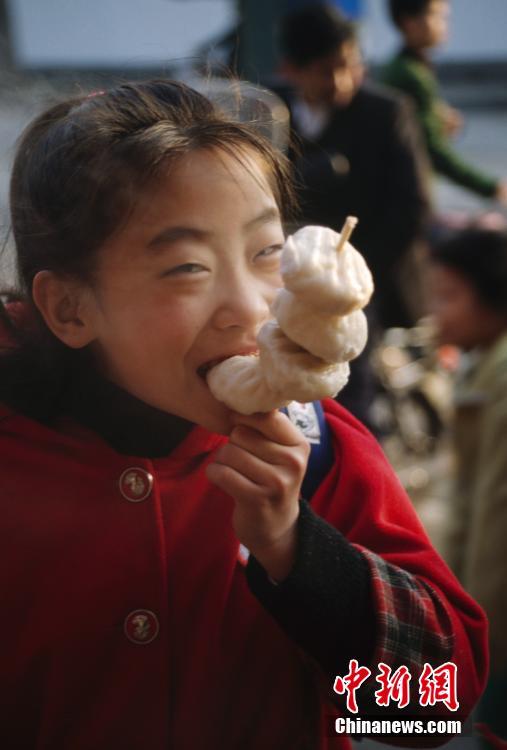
<point x="135" y="484"/>
<point x="141" y="626"/>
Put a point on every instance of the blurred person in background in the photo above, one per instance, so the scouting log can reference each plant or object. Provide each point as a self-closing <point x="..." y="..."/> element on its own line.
<point x="423" y="25"/>
<point x="468" y="277"/>
<point x="356" y="152"/>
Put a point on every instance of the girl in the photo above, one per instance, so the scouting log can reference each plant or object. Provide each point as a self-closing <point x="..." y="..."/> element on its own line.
<point x="469" y="282"/>
<point x="148" y="228"/>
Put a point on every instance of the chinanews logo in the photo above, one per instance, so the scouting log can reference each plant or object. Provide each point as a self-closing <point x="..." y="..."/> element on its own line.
<point x="436" y="685"/>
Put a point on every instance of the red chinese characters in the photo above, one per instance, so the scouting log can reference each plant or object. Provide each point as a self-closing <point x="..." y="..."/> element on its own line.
<point x="394" y="688"/>
<point x="439" y="685"/>
<point x="436" y="685"/>
<point x="350" y="683"/>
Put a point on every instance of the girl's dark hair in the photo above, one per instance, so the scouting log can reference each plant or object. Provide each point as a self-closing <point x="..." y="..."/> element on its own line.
<point x="77" y="173"/>
<point x="313" y="33"/>
<point x="480" y="256"/>
<point x="400" y="9"/>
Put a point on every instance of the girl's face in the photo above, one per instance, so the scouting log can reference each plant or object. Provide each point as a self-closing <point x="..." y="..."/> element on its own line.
<point x="461" y="317"/>
<point x="187" y="282"/>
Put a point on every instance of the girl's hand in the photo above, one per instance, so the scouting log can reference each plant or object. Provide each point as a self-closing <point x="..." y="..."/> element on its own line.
<point x="262" y="468"/>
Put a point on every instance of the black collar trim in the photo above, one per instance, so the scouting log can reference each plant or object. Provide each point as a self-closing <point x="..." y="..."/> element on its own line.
<point x="127" y="424"/>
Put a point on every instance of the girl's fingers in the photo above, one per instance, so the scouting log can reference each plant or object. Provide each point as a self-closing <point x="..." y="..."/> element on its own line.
<point x="275" y="426"/>
<point x="233" y="482"/>
<point x="254" y="442"/>
<point x="262" y="467"/>
<point x="259" y="472"/>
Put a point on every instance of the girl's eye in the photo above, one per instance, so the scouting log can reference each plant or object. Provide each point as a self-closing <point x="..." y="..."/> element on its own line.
<point x="185" y="268"/>
<point x="270" y="251"/>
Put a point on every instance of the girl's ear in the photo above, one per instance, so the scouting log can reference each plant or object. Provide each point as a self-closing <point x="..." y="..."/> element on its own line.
<point x="61" y="302"/>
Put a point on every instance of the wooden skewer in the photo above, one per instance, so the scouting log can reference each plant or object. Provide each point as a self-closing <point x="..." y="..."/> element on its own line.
<point x="348" y="228"/>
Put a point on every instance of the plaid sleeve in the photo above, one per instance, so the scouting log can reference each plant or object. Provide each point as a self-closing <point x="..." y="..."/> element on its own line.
<point x="343" y="603"/>
<point x="413" y="629"/>
<point x="413" y="626"/>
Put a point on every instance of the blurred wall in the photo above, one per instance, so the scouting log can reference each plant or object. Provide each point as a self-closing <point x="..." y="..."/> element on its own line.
<point x="141" y="33"/>
<point x="113" y="33"/>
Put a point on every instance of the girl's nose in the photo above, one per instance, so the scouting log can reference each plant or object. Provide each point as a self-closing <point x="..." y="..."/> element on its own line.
<point x="243" y="303"/>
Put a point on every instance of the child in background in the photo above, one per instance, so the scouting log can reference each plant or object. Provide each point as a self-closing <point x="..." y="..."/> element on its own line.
<point x="469" y="287"/>
<point x="356" y="151"/>
<point x="423" y="25"/>
<point x="148" y="229"/>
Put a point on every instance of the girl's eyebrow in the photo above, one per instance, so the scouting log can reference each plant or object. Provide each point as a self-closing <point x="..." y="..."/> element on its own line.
<point x="173" y="234"/>
<point x="265" y="217"/>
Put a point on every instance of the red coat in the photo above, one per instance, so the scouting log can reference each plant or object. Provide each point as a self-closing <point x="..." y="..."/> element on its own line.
<point x="126" y="618"/>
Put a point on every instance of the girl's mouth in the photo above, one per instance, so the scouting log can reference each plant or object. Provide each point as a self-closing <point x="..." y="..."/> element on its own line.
<point x="203" y="369"/>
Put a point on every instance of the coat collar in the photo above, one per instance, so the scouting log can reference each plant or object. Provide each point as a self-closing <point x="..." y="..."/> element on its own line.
<point x="127" y="424"/>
